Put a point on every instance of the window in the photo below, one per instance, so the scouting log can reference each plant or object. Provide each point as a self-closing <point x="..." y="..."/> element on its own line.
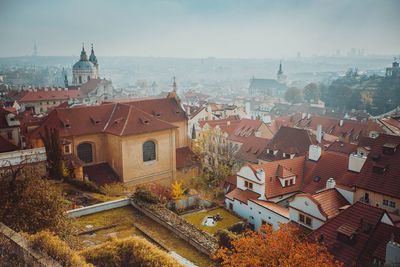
<point x="88" y="78"/>
<point x="9" y="135"/>
<point x="288" y="182"/>
<point x="85" y="152"/>
<point x="389" y="203"/>
<point x="248" y="185"/>
<point x="67" y="149"/>
<point x="149" y="151"/>
<point x="305" y="219"/>
<point x="263" y="222"/>
<point x="80" y="79"/>
<point x="230" y="206"/>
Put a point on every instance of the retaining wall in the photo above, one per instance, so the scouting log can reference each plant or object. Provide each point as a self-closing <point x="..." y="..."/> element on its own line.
<point x="206" y="244"/>
<point x="98" y="208"/>
<point x="15" y="251"/>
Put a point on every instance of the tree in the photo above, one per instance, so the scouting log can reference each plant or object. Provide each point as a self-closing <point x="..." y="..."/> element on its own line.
<point x="31" y="203"/>
<point x="311" y="92"/>
<point x="51" y="141"/>
<point x="274" y="248"/>
<point x="294" y="95"/>
<point x="177" y="190"/>
<point x="217" y="157"/>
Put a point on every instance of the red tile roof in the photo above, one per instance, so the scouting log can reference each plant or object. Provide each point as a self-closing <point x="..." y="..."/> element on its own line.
<point x="273" y="207"/>
<point x="42" y="95"/>
<point x="242" y="195"/>
<point x="273" y="186"/>
<point x="287" y="140"/>
<point x="3" y="120"/>
<point x="6" y="146"/>
<point x="371" y="235"/>
<point x="330" y="200"/>
<point x="330" y="165"/>
<point x="166" y="109"/>
<point x="185" y="158"/>
<point x="342" y="147"/>
<point x="251" y="148"/>
<point x="116" y="119"/>
<point x="351" y="129"/>
<point x="387" y="182"/>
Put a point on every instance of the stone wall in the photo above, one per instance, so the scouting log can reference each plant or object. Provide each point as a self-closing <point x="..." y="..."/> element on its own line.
<point x="15" y="251"/>
<point x="202" y="241"/>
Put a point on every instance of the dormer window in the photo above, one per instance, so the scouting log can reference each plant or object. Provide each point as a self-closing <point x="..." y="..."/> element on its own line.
<point x="248" y="185"/>
<point x="347" y="234"/>
<point x="379" y="168"/>
<point x="289" y="182"/>
<point x="304" y="219"/>
<point x="389" y="148"/>
<point x="67" y="149"/>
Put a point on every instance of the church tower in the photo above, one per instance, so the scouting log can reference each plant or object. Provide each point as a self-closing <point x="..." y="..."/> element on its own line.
<point x="93" y="59"/>
<point x="281" y="77"/>
<point x="84" y="70"/>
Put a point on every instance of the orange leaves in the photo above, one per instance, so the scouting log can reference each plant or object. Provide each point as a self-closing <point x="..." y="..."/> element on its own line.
<point x="274" y="248"/>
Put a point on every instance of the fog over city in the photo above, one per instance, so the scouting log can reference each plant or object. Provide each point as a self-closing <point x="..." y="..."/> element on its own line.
<point x="196" y="29"/>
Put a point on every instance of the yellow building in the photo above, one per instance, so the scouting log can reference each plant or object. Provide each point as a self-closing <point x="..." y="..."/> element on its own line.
<point x="137" y="140"/>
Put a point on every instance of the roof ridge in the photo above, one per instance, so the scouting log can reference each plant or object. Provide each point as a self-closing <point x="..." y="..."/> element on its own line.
<point x="109" y="119"/>
<point x="126" y="121"/>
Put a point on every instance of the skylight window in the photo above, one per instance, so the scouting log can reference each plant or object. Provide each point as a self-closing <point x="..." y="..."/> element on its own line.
<point x="317" y="179"/>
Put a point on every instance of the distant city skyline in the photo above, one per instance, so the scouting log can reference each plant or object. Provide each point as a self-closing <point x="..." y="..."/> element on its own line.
<point x="198" y="29"/>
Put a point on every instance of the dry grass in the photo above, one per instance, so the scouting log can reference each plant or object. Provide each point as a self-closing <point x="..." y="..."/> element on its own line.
<point x="197" y="218"/>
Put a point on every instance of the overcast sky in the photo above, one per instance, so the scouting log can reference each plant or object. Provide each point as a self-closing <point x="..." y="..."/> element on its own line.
<point x="202" y="28"/>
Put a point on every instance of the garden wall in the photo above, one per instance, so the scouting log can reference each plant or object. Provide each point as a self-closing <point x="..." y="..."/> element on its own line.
<point x="98" y="208"/>
<point x="15" y="251"/>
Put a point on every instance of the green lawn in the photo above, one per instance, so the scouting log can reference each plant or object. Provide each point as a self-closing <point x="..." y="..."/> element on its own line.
<point x="197" y="218"/>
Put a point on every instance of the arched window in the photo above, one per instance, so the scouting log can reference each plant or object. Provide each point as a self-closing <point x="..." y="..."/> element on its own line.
<point x="149" y="151"/>
<point x="85" y="152"/>
<point x="80" y="79"/>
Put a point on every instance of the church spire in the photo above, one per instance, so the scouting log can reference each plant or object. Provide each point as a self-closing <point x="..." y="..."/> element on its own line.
<point x="174" y="85"/>
<point x="280" y="67"/>
<point x="83" y="53"/>
<point x="93" y="57"/>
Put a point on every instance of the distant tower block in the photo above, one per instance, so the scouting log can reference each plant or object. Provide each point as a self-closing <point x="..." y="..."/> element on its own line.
<point x="35" y="50"/>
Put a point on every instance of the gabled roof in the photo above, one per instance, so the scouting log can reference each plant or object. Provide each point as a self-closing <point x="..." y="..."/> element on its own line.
<point x="273" y="186"/>
<point x="266" y="84"/>
<point x="387" y="182"/>
<point x="287" y="140"/>
<point x="371" y="234"/>
<point x="166" y="109"/>
<point x="331" y="201"/>
<point x="117" y="119"/>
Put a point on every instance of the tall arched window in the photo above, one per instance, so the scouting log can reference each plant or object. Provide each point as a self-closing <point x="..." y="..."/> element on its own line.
<point x="149" y="151"/>
<point x="85" y="152"/>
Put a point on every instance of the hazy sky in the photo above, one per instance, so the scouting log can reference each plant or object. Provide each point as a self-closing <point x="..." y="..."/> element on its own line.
<point x="220" y="28"/>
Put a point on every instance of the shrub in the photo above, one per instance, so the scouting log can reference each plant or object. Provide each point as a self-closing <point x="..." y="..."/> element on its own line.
<point x="134" y="251"/>
<point x="114" y="189"/>
<point x="48" y="243"/>
<point x="238" y="228"/>
<point x="225" y="238"/>
<point x="144" y="194"/>
<point x="85" y="185"/>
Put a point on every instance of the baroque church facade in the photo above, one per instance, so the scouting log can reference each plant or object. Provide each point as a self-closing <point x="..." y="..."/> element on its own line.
<point x="85" y="69"/>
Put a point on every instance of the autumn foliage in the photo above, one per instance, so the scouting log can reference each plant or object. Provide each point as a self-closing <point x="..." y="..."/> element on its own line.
<point x="274" y="248"/>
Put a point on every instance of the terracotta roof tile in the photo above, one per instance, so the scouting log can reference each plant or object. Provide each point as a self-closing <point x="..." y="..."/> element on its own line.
<point x="6" y="146"/>
<point x="331" y="201"/>
<point x="387" y="182"/>
<point x="371" y="235"/>
<point x="101" y="174"/>
<point x="342" y="147"/>
<point x="42" y="95"/>
<point x="242" y="195"/>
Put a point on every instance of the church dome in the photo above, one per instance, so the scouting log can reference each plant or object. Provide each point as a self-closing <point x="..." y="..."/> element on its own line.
<point x="83" y="65"/>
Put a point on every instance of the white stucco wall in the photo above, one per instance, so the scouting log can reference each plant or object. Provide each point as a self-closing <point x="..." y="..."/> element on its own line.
<point x="307" y="207"/>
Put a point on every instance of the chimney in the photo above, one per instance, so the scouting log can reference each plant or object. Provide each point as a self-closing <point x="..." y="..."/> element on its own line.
<point x="188" y="110"/>
<point x="247" y="108"/>
<point x="309" y="116"/>
<point x="261" y="175"/>
<point x="392" y="257"/>
<point x="356" y="162"/>
<point x="228" y="123"/>
<point x="319" y="133"/>
<point x="303" y="116"/>
<point x="314" y="152"/>
<point x="341" y="123"/>
<point x="330" y="183"/>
